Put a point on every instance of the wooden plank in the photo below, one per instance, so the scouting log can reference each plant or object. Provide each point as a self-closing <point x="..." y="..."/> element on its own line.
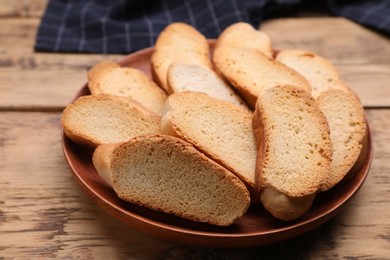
<point x="44" y="213"/>
<point x="32" y="80"/>
<point x="44" y="92"/>
<point x="22" y="8"/>
<point x="361" y="55"/>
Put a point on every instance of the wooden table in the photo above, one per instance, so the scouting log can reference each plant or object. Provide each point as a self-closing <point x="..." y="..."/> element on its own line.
<point x="45" y="214"/>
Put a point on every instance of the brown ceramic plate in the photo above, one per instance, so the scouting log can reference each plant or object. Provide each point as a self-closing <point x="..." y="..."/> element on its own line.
<point x="256" y="227"/>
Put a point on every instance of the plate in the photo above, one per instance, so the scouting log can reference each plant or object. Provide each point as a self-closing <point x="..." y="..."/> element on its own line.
<point x="256" y="227"/>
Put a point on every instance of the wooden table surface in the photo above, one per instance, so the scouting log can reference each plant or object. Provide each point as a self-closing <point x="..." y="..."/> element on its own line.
<point x="45" y="214"/>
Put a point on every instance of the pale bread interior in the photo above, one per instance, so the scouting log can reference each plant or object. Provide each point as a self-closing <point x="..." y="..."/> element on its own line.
<point x="221" y="130"/>
<point x="98" y="119"/>
<point x="168" y="174"/>
<point x="192" y="77"/>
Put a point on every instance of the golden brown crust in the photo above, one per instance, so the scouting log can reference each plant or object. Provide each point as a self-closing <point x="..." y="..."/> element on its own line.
<point x="284" y="207"/>
<point x="101" y="159"/>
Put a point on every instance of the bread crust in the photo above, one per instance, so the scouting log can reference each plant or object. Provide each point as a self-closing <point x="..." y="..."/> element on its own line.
<point x="285" y="207"/>
<point x="101" y="159"/>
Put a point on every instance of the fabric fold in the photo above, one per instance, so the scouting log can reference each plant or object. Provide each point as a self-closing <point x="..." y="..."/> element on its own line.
<point x="109" y="27"/>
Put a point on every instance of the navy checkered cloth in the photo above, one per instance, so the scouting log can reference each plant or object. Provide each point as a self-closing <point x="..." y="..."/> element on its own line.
<point x="125" y="26"/>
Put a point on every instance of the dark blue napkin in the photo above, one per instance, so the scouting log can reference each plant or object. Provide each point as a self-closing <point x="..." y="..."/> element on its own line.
<point x="104" y="26"/>
<point x="374" y="14"/>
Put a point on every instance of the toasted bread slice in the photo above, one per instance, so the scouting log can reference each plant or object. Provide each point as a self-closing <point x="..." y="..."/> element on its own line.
<point x="320" y="72"/>
<point x="109" y="78"/>
<point x="178" y="42"/>
<point x="251" y="72"/>
<point x="345" y="115"/>
<point x="192" y="77"/>
<point x="294" y="147"/>
<point x="221" y="130"/>
<point x="285" y="207"/>
<point x="167" y="174"/>
<point x="98" y="119"/>
<point x="242" y="34"/>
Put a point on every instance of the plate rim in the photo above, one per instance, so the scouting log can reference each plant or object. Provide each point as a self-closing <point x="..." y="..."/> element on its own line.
<point x="226" y="239"/>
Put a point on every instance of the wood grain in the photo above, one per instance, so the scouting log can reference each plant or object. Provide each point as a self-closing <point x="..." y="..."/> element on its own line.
<point x="22" y="8"/>
<point x="44" y="213"/>
<point x="36" y="81"/>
